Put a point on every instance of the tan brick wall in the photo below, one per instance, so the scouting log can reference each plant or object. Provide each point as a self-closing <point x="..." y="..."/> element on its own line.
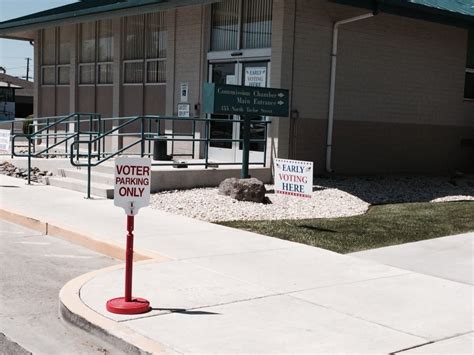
<point x="188" y="62"/>
<point x="368" y="147"/>
<point x="392" y="72"/>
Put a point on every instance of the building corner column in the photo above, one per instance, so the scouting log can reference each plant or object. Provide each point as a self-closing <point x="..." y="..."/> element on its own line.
<point x="37" y="75"/>
<point x="282" y="62"/>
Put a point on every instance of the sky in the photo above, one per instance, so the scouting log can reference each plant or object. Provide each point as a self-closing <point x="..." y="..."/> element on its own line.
<point x="13" y="53"/>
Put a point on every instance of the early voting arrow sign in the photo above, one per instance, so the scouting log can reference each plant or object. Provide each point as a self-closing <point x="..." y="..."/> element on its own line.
<point x="132" y="184"/>
<point x="132" y="192"/>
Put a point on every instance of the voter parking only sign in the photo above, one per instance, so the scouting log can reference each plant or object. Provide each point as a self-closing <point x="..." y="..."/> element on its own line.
<point x="132" y="184"/>
<point x="294" y="177"/>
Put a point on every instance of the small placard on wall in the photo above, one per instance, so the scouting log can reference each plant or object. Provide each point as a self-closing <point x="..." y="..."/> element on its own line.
<point x="184" y="93"/>
<point x="184" y="110"/>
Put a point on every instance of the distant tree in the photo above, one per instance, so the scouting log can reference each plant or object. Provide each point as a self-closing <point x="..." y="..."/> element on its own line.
<point x="2" y="69"/>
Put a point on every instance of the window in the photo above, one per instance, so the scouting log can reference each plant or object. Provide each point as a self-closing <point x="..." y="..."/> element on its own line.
<point x="156" y="48"/>
<point x="48" y="56"/>
<point x="105" y="53"/>
<point x="64" y="56"/>
<point x="55" y="56"/>
<point x="96" y="53"/>
<point x="241" y="24"/>
<point x="133" y="49"/>
<point x="469" y="83"/>
<point x="87" y="53"/>
<point x="145" y="48"/>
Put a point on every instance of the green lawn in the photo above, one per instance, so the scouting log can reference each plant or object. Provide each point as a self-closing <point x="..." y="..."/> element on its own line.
<point x="381" y="226"/>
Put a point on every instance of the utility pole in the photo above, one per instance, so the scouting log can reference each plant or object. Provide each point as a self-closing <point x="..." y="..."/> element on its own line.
<point x="28" y="68"/>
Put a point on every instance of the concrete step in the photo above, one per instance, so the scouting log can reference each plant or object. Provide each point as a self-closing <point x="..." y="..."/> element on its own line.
<point x="81" y="174"/>
<point x="106" y="168"/>
<point x="100" y="190"/>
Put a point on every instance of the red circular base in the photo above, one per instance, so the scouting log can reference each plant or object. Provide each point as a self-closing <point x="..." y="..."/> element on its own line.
<point x="120" y="306"/>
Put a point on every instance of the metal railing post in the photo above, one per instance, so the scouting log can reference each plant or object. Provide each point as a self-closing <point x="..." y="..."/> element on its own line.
<point x="66" y="133"/>
<point x="78" y="130"/>
<point x="142" y="143"/>
<point x="29" y="159"/>
<point x="98" y="121"/>
<point x="206" y="148"/>
<point x="194" y="138"/>
<point x="12" y="133"/>
<point x="90" y="127"/>
<point x="265" y="145"/>
<point x="89" y="167"/>
<point x="47" y="137"/>
<point x="149" y="141"/>
<point x="103" y="138"/>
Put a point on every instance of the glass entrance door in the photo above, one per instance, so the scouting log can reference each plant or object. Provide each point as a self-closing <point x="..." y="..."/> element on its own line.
<point x="222" y="73"/>
<point x="247" y="73"/>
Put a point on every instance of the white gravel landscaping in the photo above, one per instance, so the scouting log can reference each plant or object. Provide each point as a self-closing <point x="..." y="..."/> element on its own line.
<point x="338" y="197"/>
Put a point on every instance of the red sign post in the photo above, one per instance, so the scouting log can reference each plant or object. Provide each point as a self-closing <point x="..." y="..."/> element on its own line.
<point x="132" y="191"/>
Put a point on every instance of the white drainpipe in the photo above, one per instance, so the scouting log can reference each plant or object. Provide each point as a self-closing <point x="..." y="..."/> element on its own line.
<point x="332" y="88"/>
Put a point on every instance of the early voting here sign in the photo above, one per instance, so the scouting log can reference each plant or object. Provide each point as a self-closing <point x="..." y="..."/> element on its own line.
<point x="132" y="184"/>
<point x="293" y="177"/>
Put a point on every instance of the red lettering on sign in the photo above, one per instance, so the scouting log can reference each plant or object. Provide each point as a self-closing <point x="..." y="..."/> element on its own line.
<point x="132" y="181"/>
<point x="133" y="170"/>
<point x="293" y="178"/>
<point x="131" y="191"/>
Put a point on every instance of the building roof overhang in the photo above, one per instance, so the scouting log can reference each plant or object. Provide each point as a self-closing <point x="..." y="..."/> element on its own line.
<point x="4" y="84"/>
<point x="86" y="10"/>
<point x="459" y="13"/>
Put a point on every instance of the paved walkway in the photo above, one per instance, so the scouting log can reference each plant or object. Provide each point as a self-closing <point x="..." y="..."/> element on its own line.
<point x="450" y="258"/>
<point x="218" y="290"/>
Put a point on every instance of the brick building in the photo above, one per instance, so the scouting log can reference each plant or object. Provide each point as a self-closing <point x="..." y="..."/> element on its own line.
<point x="400" y="99"/>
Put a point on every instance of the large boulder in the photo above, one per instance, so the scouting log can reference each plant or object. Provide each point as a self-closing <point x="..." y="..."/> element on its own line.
<point x="243" y="189"/>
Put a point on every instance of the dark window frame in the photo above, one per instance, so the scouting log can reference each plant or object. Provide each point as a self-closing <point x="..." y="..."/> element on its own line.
<point x="469" y="74"/>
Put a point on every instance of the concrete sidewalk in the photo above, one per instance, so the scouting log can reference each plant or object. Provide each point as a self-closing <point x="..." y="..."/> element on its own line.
<point x="218" y="290"/>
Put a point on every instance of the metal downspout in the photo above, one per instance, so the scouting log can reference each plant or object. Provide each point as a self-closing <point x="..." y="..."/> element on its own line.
<point x="332" y="87"/>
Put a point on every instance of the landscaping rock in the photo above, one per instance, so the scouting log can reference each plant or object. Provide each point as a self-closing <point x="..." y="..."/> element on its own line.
<point x="9" y="169"/>
<point x="252" y="189"/>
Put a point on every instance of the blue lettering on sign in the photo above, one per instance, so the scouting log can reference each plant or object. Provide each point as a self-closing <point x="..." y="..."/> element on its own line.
<point x="292" y="187"/>
<point x="293" y="168"/>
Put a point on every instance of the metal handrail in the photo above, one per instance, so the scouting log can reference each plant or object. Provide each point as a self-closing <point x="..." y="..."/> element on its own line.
<point x="95" y="136"/>
<point x="39" y="133"/>
<point x="143" y="136"/>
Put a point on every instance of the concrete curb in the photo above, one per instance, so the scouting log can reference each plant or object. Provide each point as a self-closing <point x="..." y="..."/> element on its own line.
<point x="104" y="247"/>
<point x="71" y="307"/>
<point x="74" y="311"/>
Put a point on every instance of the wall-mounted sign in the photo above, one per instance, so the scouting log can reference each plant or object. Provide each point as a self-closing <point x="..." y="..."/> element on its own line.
<point x="132" y="184"/>
<point x="184" y="110"/>
<point x="184" y="92"/>
<point x="243" y="100"/>
<point x="293" y="177"/>
<point x="4" y="140"/>
<point x="256" y="77"/>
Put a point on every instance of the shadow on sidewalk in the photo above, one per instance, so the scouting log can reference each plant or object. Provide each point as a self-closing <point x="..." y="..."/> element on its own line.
<point x="184" y="311"/>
